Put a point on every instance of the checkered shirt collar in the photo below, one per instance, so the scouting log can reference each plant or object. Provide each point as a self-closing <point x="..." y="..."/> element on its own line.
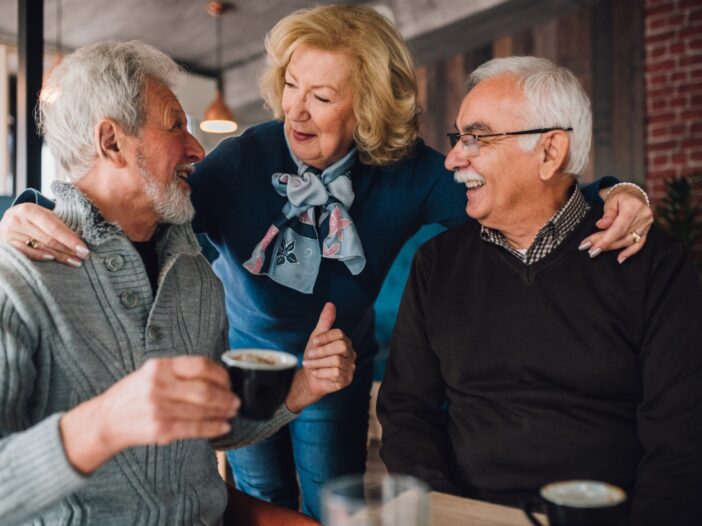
<point x="551" y="234"/>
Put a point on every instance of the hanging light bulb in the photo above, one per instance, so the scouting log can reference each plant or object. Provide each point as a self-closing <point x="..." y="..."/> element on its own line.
<point x="218" y="117"/>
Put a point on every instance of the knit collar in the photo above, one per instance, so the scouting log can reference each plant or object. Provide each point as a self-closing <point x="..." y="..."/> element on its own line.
<point x="83" y="217"/>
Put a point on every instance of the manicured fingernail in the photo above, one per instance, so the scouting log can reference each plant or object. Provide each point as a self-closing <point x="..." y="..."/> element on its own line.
<point x="82" y="252"/>
<point x="585" y="245"/>
<point x="315" y="341"/>
<point x="47" y="257"/>
<point x="225" y="428"/>
<point x="595" y="252"/>
<point x="621" y="260"/>
<point x="305" y="362"/>
<point x="74" y="262"/>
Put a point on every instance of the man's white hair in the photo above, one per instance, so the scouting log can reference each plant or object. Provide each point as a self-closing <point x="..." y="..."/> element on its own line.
<point x="103" y="80"/>
<point x="554" y="97"/>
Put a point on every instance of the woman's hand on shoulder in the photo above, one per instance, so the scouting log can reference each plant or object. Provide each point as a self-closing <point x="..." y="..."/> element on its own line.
<point x="40" y="235"/>
<point x="626" y="221"/>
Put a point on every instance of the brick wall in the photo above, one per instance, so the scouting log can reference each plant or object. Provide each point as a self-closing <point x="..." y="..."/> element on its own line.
<point x="673" y="76"/>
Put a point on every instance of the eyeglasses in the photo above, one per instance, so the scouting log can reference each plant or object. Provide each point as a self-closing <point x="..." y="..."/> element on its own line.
<point x="471" y="140"/>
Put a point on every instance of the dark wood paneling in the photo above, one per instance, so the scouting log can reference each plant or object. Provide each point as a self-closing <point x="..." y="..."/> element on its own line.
<point x="602" y="92"/>
<point x="617" y="98"/>
<point x="574" y="51"/>
<point x="485" y="27"/>
<point x="628" y="126"/>
<point x="433" y="103"/>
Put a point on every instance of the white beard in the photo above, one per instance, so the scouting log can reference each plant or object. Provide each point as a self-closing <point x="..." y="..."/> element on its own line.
<point x="171" y="202"/>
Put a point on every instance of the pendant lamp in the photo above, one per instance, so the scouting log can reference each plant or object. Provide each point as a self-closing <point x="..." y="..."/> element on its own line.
<point x="218" y="117"/>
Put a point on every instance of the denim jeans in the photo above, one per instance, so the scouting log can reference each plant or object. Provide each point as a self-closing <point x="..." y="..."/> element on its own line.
<point x="327" y="440"/>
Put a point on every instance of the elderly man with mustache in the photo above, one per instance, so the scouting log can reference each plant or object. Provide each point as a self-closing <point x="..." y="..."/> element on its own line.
<point x="517" y="360"/>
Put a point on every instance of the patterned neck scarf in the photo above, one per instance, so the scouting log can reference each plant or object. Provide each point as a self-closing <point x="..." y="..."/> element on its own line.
<point x="313" y="224"/>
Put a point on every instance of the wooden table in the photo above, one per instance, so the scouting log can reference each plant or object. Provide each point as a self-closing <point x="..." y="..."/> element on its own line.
<point x="449" y="510"/>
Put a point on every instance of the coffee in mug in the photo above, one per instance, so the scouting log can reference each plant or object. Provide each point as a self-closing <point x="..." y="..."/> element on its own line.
<point x="580" y="503"/>
<point x="261" y="378"/>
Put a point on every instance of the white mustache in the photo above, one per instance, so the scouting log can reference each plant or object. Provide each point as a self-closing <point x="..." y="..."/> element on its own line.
<point x="467" y="175"/>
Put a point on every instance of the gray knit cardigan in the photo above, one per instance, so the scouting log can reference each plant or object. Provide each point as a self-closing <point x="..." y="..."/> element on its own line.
<point x="66" y="335"/>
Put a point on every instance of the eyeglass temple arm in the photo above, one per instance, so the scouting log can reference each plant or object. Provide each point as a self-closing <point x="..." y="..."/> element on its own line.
<point x="523" y="132"/>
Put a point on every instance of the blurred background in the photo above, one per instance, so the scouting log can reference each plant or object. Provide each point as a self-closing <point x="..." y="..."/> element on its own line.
<point x="639" y="60"/>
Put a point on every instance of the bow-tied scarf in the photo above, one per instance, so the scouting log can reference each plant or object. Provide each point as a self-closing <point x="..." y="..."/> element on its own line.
<point x="314" y="223"/>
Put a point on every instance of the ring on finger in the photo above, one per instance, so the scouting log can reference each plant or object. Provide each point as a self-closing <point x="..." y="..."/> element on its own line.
<point x="32" y="243"/>
<point x="635" y="236"/>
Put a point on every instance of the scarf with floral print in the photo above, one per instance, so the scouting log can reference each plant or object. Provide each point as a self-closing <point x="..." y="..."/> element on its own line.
<point x="314" y="223"/>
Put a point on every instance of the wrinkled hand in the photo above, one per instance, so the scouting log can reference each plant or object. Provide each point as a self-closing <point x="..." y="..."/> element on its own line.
<point x="169" y="399"/>
<point x="327" y="365"/>
<point x="624" y="212"/>
<point x="55" y="240"/>
<point x="166" y="399"/>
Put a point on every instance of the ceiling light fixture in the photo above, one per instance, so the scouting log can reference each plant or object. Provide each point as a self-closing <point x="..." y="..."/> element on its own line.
<point x="218" y="117"/>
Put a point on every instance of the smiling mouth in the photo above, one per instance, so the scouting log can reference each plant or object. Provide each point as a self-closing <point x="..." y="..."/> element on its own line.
<point x="469" y="178"/>
<point x="182" y="173"/>
<point x="300" y="136"/>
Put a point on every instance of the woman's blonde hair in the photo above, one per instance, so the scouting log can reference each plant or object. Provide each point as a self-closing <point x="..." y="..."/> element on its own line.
<point x="384" y="85"/>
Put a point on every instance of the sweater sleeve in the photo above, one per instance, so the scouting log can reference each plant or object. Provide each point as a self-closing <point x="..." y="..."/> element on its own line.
<point x="412" y="395"/>
<point x="669" y="418"/>
<point x="30" y="195"/>
<point x="591" y="192"/>
<point x="34" y="470"/>
<point x="245" y="431"/>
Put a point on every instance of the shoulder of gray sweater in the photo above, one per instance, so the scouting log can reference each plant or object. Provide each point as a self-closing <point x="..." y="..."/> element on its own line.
<point x="25" y="292"/>
<point x="21" y="288"/>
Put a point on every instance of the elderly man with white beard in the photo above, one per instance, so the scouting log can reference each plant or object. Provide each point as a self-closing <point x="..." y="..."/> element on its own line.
<point x="109" y="381"/>
<point x="517" y="359"/>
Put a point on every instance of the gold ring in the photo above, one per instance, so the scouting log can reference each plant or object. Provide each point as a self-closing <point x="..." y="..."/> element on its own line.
<point x="32" y="243"/>
<point x="635" y="236"/>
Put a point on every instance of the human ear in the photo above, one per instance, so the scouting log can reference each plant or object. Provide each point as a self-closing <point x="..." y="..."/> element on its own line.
<point x="554" y="147"/>
<point x="109" y="139"/>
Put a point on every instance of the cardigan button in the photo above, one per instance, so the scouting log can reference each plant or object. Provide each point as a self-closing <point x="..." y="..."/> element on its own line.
<point x="114" y="263"/>
<point x="129" y="299"/>
<point x="153" y="333"/>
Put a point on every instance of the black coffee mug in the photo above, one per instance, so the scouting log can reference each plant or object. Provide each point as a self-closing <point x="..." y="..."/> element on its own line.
<point x="580" y="503"/>
<point x="261" y="378"/>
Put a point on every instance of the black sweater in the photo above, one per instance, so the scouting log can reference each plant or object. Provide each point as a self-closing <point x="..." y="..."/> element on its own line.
<point x="503" y="377"/>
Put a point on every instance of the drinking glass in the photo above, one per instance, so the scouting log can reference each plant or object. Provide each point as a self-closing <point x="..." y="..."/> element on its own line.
<point x="375" y="500"/>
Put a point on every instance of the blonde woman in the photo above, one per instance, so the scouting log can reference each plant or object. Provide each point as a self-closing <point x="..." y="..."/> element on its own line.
<point x="313" y="207"/>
